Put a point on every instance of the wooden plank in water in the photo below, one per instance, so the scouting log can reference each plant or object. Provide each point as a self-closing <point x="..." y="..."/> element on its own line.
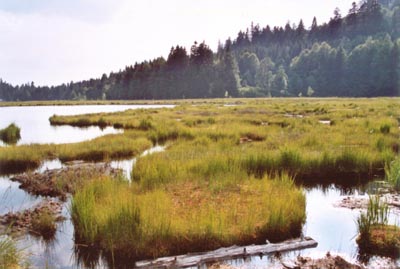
<point x="234" y="252"/>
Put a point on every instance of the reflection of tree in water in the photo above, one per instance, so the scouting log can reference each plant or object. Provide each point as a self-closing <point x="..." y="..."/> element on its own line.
<point x="347" y="184"/>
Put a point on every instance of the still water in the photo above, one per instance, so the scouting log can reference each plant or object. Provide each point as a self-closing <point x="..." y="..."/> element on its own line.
<point x="333" y="228"/>
<point x="36" y="128"/>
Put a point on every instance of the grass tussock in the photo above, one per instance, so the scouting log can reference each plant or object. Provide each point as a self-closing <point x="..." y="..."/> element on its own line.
<point x="44" y="225"/>
<point x="376" y="237"/>
<point x="227" y="176"/>
<point x="186" y="217"/>
<point x="11" y="134"/>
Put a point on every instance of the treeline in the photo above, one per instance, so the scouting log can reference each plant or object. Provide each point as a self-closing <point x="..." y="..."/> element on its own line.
<point x="357" y="55"/>
<point x="354" y="55"/>
<point x="198" y="74"/>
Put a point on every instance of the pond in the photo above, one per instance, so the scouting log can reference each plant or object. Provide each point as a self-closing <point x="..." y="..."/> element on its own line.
<point x="36" y="128"/>
<point x="333" y="228"/>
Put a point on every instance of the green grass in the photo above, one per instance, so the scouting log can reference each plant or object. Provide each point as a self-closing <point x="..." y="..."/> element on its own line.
<point x="287" y="132"/>
<point x="15" y="159"/>
<point x="185" y="217"/>
<point x="10" y="256"/>
<point x="227" y="174"/>
<point x="377" y="214"/>
<point x="376" y="237"/>
<point x="393" y="174"/>
<point x="104" y="148"/>
<point x="11" y="134"/>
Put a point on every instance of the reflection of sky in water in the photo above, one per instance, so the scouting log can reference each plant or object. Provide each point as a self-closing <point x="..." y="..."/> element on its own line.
<point x="127" y="165"/>
<point x="12" y="198"/>
<point x="333" y="228"/>
<point x="49" y="165"/>
<point x="55" y="254"/>
<point x="36" y="128"/>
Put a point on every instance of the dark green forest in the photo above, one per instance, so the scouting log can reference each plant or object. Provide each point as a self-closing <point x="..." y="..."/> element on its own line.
<point x="356" y="54"/>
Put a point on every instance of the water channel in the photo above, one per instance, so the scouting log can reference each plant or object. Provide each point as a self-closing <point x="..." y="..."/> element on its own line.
<point x="332" y="227"/>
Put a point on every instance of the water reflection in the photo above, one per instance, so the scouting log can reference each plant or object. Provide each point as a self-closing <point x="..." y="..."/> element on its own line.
<point x="333" y="228"/>
<point x="49" y="165"/>
<point x="57" y="253"/>
<point x="347" y="184"/>
<point x="127" y="165"/>
<point x="36" y="128"/>
<point x="13" y="199"/>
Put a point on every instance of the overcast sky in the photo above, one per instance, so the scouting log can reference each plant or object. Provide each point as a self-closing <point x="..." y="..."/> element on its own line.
<point x="55" y="41"/>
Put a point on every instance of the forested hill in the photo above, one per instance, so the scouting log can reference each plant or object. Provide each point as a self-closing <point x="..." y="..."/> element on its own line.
<point x="356" y="54"/>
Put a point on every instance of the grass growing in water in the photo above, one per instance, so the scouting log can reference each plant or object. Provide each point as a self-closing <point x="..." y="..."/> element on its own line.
<point x="376" y="237"/>
<point x="15" y="159"/>
<point x="44" y="225"/>
<point x="281" y="134"/>
<point x="10" y="256"/>
<point x="185" y="217"/>
<point x="393" y="174"/>
<point x="213" y="185"/>
<point x="104" y="148"/>
<point x="10" y="134"/>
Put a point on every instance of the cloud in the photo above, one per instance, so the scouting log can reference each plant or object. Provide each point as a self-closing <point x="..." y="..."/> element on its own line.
<point x="86" y="10"/>
<point x="56" y="41"/>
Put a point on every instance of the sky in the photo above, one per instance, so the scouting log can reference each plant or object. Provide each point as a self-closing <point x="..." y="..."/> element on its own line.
<point x="51" y="42"/>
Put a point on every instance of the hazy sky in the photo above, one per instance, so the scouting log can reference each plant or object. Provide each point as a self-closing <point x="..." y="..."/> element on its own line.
<point x="55" y="41"/>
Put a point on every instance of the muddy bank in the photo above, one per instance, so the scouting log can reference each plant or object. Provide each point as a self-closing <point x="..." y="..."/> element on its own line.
<point x="61" y="182"/>
<point x="24" y="221"/>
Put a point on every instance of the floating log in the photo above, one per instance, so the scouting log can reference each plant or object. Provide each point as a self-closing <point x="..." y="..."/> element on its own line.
<point x="222" y="254"/>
